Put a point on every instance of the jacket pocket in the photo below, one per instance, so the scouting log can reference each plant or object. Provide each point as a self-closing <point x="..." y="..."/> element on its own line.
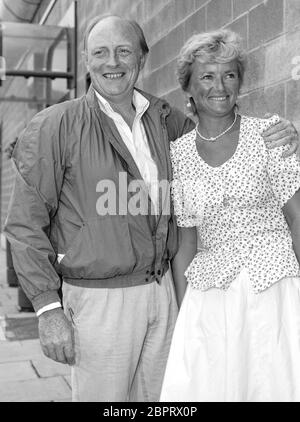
<point x="101" y="249"/>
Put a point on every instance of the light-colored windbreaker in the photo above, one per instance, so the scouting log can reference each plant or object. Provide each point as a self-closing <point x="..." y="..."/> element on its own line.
<point x="61" y="157"/>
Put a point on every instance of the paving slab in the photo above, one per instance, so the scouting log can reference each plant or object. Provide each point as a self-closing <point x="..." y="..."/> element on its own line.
<point x="41" y="389"/>
<point x="16" y="371"/>
<point x="68" y="379"/>
<point x="17" y="351"/>
<point x="46" y="367"/>
<point x="26" y="375"/>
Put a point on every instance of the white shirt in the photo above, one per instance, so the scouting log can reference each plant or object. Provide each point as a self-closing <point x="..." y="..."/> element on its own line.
<point x="137" y="143"/>
<point x="136" y="140"/>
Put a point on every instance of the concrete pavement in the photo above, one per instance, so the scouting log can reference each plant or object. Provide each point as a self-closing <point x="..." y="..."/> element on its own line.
<point x="26" y="375"/>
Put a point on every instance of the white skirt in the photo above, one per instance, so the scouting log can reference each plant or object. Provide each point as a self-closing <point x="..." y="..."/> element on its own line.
<point x="235" y="345"/>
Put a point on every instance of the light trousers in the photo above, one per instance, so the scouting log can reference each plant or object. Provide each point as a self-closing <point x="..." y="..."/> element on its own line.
<point x="122" y="340"/>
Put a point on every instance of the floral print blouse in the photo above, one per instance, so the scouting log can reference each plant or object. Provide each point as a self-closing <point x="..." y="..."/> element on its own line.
<point x="236" y="208"/>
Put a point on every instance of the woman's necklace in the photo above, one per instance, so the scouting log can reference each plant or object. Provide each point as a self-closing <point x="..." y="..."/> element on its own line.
<point x="213" y="139"/>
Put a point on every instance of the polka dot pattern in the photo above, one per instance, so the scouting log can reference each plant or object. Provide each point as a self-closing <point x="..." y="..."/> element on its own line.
<point x="236" y="208"/>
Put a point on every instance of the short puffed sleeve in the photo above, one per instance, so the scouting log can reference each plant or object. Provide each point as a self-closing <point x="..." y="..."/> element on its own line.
<point x="180" y="190"/>
<point x="284" y="174"/>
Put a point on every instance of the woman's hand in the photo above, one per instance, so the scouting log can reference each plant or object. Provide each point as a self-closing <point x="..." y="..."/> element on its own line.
<point x="187" y="248"/>
<point x="282" y="133"/>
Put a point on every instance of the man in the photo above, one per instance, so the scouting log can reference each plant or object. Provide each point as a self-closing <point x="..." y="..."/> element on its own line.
<point x="119" y="303"/>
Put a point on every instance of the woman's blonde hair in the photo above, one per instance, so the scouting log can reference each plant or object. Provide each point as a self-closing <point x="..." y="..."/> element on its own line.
<point x="221" y="46"/>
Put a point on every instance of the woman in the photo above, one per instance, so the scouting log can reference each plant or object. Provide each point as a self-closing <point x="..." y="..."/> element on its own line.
<point x="237" y="337"/>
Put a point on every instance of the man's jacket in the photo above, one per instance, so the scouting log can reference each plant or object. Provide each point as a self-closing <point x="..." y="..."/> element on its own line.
<point x="61" y="161"/>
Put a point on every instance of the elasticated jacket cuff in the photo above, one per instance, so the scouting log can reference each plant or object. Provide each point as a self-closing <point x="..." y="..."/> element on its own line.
<point x="44" y="299"/>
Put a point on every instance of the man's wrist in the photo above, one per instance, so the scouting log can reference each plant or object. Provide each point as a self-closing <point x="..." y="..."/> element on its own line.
<point x="50" y="307"/>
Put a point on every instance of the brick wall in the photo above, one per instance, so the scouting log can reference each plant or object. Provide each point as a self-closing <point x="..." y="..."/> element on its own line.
<point x="270" y="30"/>
<point x="271" y="33"/>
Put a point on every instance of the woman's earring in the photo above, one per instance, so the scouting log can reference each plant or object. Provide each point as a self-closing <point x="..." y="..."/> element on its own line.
<point x="193" y="107"/>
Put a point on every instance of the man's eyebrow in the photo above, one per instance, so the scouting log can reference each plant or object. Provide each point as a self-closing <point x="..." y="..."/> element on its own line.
<point x="124" y="45"/>
<point x="207" y="72"/>
<point x="98" y="47"/>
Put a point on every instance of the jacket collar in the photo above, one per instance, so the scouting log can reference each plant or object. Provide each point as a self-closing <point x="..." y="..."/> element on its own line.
<point x="154" y="101"/>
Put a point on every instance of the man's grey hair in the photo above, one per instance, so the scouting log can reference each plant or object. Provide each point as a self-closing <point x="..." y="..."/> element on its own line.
<point x="138" y="30"/>
<point x="221" y="46"/>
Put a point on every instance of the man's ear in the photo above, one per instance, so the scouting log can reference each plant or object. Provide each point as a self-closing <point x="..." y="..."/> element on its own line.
<point x="143" y="61"/>
<point x="84" y="56"/>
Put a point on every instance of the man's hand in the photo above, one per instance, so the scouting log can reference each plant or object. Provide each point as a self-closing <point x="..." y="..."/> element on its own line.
<point x="57" y="336"/>
<point x="282" y="133"/>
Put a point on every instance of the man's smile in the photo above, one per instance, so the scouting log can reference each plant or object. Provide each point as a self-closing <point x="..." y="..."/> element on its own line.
<point x="219" y="98"/>
<point x="113" y="75"/>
